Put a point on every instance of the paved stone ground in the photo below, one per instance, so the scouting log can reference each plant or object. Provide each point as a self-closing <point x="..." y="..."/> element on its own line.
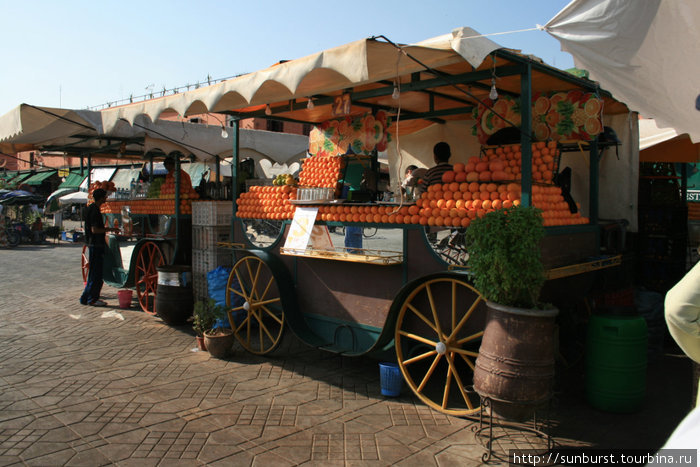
<point x="91" y="386"/>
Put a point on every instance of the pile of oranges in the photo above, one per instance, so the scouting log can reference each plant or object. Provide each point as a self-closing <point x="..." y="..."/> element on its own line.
<point x="456" y="204"/>
<point x="504" y="163"/>
<point x="267" y="202"/>
<point x="146" y="206"/>
<point x="321" y="171"/>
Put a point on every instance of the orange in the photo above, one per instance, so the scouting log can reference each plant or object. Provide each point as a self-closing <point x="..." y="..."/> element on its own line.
<point x="450" y="203"/>
<point x="454" y="186"/>
<point x="377" y="218"/>
<point x="384" y="218"/>
<point x="423" y="220"/>
<point x="412" y="210"/>
<point x="458" y="167"/>
<point x="474" y="187"/>
<point x="415" y="219"/>
<point x="448" y="195"/>
<point x="464" y="187"/>
<point x="465" y="221"/>
<point x="448" y="176"/>
<point x="458" y="195"/>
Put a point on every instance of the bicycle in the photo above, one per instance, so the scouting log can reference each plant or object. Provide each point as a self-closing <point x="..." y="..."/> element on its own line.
<point x="10" y="238"/>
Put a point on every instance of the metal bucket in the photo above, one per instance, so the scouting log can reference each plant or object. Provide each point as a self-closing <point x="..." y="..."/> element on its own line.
<point x="515" y="366"/>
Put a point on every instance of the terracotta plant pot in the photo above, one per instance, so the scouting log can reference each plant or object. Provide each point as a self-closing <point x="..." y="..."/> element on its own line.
<point x="200" y="343"/>
<point x="515" y="366"/>
<point x="219" y="343"/>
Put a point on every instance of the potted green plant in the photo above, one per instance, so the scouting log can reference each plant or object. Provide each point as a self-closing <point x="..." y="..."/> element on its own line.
<point x="202" y="320"/>
<point x="515" y="366"/>
<point x="207" y="314"/>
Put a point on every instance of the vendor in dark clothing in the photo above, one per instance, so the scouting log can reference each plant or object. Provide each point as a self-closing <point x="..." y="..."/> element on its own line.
<point x="95" y="238"/>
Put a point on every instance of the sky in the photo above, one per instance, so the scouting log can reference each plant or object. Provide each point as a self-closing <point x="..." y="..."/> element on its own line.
<point x="84" y="54"/>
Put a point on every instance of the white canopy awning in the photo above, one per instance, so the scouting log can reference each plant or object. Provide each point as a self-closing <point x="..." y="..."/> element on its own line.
<point x="79" y="197"/>
<point x="643" y="52"/>
<point x="29" y="127"/>
<point x="98" y="174"/>
<point x="650" y="134"/>
<point x="357" y="63"/>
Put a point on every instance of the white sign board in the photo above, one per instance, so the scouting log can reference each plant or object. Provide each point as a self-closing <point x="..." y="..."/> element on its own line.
<point x="300" y="230"/>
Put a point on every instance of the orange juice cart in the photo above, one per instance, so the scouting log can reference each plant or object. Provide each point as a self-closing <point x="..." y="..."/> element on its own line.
<point x="374" y="108"/>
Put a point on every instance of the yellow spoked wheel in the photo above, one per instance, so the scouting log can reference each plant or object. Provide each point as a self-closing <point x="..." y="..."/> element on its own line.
<point x="438" y="334"/>
<point x="254" y="305"/>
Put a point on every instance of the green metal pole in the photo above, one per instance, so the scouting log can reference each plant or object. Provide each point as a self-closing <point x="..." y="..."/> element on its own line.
<point x="177" y="208"/>
<point x="593" y="196"/>
<point x="218" y="173"/>
<point x="89" y="170"/>
<point x="234" y="166"/>
<point x="525" y="132"/>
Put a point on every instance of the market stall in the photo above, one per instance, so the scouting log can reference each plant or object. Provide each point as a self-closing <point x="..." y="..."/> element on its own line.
<point x="374" y="96"/>
<point x="154" y="214"/>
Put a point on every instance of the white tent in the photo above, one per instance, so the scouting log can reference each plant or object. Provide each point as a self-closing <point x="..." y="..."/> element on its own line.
<point x="79" y="197"/>
<point x="28" y="128"/>
<point x="644" y="52"/>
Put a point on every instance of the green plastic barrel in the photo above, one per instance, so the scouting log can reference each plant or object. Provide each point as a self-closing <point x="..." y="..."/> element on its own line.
<point x="616" y="362"/>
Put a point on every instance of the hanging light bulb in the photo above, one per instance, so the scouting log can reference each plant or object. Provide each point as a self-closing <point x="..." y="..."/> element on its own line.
<point x="310" y="104"/>
<point x="493" y="94"/>
<point x="268" y="110"/>
<point x="224" y="133"/>
<point x="396" y="94"/>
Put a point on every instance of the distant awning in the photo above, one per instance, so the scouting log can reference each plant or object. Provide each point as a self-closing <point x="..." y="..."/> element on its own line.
<point x="195" y="171"/>
<point x="73" y="180"/>
<point x="21" y="178"/>
<point x="100" y="174"/>
<point x="122" y="179"/>
<point x="38" y="178"/>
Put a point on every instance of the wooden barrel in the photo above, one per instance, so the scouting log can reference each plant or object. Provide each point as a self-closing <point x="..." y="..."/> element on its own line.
<point x="515" y="366"/>
<point x="174" y="297"/>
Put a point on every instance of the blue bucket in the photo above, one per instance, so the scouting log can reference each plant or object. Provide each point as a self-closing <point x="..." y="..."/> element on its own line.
<point x="390" y="379"/>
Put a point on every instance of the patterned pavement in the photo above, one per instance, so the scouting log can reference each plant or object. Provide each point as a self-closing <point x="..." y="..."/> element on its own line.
<point x="106" y="386"/>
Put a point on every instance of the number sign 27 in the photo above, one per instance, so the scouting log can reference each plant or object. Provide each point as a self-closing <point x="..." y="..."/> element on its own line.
<point x="341" y="105"/>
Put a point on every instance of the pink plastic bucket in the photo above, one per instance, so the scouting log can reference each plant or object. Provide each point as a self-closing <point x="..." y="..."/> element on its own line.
<point x="125" y="296"/>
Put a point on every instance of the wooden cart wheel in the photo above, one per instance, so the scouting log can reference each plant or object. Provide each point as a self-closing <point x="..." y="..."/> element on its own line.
<point x="254" y="305"/>
<point x="85" y="263"/>
<point x="148" y="260"/>
<point x="437" y="338"/>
